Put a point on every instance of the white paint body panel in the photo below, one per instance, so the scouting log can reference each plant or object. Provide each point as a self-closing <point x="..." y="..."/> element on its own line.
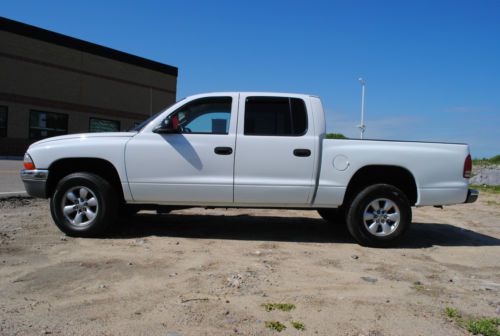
<point x="437" y="168"/>
<point x="106" y="146"/>
<point x="182" y="169"/>
<point x="266" y="170"/>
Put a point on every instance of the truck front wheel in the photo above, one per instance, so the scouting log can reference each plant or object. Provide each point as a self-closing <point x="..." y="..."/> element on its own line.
<point x="83" y="205"/>
<point x="379" y="215"/>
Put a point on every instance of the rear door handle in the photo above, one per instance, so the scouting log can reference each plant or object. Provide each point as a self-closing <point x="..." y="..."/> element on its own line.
<point x="302" y="152"/>
<point x="223" y="150"/>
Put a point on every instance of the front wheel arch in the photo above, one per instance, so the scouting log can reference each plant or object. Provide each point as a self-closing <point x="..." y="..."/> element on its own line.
<point x="104" y="168"/>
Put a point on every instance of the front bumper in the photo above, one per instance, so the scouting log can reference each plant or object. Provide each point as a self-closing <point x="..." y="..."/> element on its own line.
<point x="35" y="182"/>
<point x="472" y="195"/>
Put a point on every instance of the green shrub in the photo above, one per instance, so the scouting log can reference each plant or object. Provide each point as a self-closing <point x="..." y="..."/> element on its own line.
<point x="335" y="136"/>
<point x="275" y="325"/>
<point x="298" y="325"/>
<point x="278" y="306"/>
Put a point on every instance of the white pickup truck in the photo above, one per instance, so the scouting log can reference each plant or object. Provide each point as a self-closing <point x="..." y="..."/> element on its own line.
<point x="253" y="150"/>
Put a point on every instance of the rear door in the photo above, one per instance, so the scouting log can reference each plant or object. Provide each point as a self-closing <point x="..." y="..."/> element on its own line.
<point x="276" y="151"/>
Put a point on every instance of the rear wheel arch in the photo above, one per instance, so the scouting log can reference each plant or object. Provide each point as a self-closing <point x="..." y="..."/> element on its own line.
<point x="396" y="176"/>
<point x="101" y="167"/>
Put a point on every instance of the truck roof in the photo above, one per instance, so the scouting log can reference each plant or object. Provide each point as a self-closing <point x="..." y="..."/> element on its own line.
<point x="258" y="93"/>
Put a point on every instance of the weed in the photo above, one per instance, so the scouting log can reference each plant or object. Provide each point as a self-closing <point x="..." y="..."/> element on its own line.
<point x="483" y="326"/>
<point x="275" y="325"/>
<point x="452" y="313"/>
<point x="298" y="325"/>
<point x="278" y="306"/>
<point x="417" y="285"/>
<point x="476" y="326"/>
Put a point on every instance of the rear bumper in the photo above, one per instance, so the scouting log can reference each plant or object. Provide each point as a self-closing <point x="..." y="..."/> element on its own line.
<point x="35" y="182"/>
<point x="472" y="195"/>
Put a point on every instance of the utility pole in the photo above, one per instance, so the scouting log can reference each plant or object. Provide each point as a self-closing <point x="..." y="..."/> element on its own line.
<point x="362" y="126"/>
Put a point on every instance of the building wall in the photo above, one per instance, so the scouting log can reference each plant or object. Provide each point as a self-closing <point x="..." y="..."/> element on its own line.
<point x="37" y="75"/>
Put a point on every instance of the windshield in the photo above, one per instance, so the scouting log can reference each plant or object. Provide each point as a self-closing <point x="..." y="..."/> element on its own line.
<point x="147" y="121"/>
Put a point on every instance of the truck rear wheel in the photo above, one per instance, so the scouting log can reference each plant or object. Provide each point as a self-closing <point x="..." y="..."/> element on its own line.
<point x="379" y="215"/>
<point x="83" y="205"/>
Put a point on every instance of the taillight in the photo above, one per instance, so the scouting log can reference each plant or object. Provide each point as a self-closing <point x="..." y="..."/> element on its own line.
<point x="468" y="167"/>
<point x="28" y="162"/>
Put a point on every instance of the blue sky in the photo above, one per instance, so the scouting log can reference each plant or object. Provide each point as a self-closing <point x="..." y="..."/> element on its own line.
<point x="432" y="67"/>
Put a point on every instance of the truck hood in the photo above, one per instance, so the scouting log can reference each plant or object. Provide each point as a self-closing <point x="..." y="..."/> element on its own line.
<point x="86" y="136"/>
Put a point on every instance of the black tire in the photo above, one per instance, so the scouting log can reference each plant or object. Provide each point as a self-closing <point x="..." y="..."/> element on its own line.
<point x="105" y="209"/>
<point x="384" y="235"/>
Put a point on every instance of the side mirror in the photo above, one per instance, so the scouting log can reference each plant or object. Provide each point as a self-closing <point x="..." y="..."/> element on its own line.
<point x="168" y="125"/>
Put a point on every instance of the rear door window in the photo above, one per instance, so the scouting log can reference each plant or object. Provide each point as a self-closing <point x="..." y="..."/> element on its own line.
<point x="275" y="116"/>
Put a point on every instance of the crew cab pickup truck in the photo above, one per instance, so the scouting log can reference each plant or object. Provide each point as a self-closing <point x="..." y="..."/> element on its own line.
<point x="252" y="150"/>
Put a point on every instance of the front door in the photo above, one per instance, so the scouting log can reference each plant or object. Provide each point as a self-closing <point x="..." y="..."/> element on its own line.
<point x="192" y="166"/>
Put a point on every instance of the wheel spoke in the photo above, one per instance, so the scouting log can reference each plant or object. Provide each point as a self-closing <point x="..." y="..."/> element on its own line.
<point x="393" y="217"/>
<point x="386" y="228"/>
<point x="69" y="209"/>
<point x="90" y="214"/>
<point x="83" y="193"/>
<point x="387" y="205"/>
<point x="79" y="218"/>
<point x="92" y="202"/>
<point x="375" y="205"/>
<point x="368" y="216"/>
<point x="373" y="227"/>
<point x="71" y="196"/>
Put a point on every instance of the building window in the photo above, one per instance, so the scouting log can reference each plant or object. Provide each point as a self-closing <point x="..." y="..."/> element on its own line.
<point x="47" y="124"/>
<point x="3" y="121"/>
<point x="103" y="125"/>
<point x="275" y="116"/>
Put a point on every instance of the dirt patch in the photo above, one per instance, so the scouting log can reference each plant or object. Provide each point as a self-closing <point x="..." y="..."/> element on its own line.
<point x="209" y="272"/>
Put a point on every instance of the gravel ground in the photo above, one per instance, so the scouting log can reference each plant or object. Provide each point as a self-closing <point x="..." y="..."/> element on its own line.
<point x="489" y="175"/>
<point x="208" y="272"/>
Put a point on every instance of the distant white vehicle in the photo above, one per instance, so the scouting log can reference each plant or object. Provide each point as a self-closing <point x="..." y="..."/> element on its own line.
<point x="254" y="150"/>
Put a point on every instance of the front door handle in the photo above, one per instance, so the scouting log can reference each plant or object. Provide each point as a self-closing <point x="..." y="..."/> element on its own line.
<point x="302" y="152"/>
<point x="223" y="150"/>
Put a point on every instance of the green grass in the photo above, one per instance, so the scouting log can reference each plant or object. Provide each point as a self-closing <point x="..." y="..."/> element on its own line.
<point x="486" y="188"/>
<point x="485" y="162"/>
<point x="298" y="325"/>
<point x="278" y="306"/>
<point x="275" y="325"/>
<point x="477" y="326"/>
